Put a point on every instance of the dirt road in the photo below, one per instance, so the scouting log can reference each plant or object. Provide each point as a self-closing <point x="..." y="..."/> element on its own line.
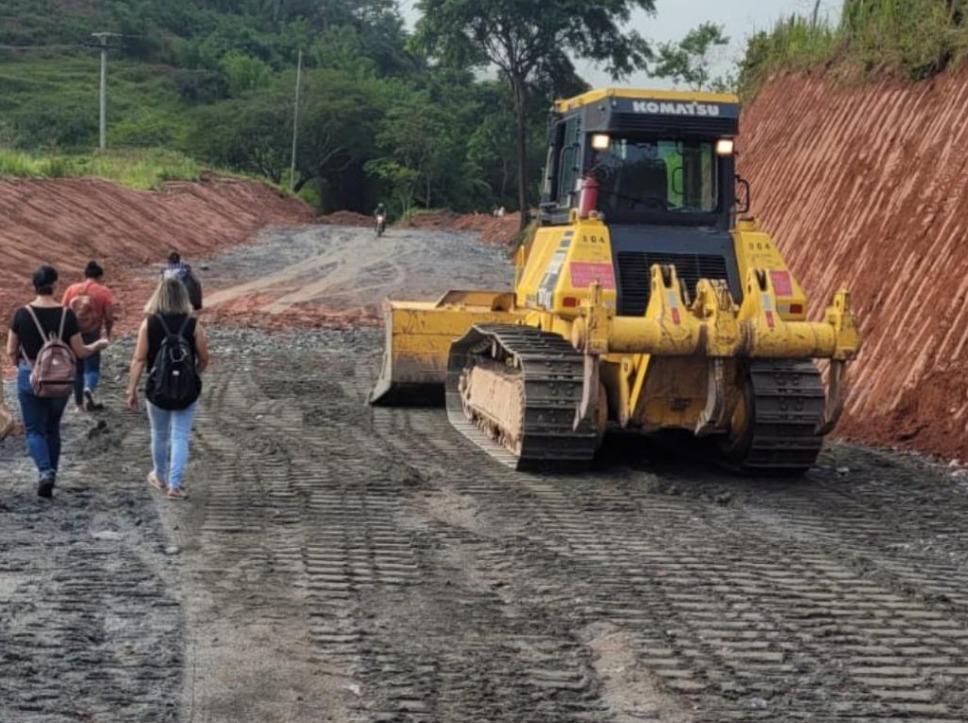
<point x="343" y="563"/>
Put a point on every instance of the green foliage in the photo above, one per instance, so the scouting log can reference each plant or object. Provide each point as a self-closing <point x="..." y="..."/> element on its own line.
<point x="523" y="36"/>
<point x="531" y="40"/>
<point x="52" y="103"/>
<point x="413" y="134"/>
<point x="689" y="60"/>
<point x="142" y="170"/>
<point x="489" y="151"/>
<point x="913" y="39"/>
<point x="916" y="38"/>
<point x="244" y="73"/>
<point x="401" y="180"/>
<point x="213" y="80"/>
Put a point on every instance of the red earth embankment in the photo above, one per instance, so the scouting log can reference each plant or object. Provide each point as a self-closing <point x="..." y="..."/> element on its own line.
<point x="493" y="230"/>
<point x="68" y="222"/>
<point x="867" y="187"/>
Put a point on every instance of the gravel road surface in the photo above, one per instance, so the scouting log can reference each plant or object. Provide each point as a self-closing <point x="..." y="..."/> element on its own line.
<point x="337" y="562"/>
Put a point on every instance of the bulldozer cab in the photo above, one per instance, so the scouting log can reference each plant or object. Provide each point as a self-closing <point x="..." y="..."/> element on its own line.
<point x="657" y="158"/>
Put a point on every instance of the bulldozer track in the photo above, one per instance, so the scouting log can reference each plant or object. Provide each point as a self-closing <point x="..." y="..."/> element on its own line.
<point x="787" y="407"/>
<point x="551" y="374"/>
<point x="391" y="576"/>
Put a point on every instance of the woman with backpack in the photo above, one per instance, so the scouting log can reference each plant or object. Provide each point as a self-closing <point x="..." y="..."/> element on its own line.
<point x="172" y="346"/>
<point x="44" y="344"/>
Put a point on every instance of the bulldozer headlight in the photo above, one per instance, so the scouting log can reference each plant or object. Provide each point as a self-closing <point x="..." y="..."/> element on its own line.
<point x="601" y="142"/>
<point x="725" y="147"/>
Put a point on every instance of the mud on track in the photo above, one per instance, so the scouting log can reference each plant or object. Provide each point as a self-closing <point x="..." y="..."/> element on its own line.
<point x="343" y="563"/>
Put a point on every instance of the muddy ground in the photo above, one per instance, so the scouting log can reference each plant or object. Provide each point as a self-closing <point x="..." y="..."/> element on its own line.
<point x="341" y="563"/>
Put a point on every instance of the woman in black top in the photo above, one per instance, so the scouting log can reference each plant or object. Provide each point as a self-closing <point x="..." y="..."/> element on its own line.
<point x="41" y="415"/>
<point x="168" y="314"/>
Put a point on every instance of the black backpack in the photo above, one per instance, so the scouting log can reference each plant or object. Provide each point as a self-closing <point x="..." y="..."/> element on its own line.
<point x="174" y="382"/>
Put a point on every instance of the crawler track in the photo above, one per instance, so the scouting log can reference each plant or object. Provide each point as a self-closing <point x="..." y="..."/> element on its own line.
<point x="548" y="373"/>
<point x="786" y="404"/>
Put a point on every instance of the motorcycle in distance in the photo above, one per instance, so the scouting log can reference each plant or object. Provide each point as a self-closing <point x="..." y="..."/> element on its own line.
<point x="381" y="224"/>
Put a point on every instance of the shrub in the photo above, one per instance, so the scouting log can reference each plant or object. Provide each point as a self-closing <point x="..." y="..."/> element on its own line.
<point x="244" y="73"/>
<point x="913" y="39"/>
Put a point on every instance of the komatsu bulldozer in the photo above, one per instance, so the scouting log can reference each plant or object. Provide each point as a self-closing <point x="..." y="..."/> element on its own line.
<point x="645" y="301"/>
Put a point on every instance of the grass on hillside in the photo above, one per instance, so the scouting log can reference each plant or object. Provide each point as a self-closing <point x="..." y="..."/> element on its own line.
<point x="49" y="100"/>
<point x="143" y="170"/>
<point x="913" y="39"/>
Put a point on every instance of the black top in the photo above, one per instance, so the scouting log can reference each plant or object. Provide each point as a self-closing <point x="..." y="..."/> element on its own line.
<point x="156" y="334"/>
<point x="24" y="327"/>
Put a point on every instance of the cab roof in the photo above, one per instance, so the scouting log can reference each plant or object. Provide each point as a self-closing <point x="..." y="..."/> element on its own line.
<point x="594" y="96"/>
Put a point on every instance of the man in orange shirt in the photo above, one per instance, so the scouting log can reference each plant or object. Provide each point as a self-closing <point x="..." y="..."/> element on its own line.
<point x="94" y="305"/>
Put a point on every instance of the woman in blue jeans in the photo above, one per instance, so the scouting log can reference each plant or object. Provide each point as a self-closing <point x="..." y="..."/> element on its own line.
<point x="168" y="314"/>
<point x="44" y="317"/>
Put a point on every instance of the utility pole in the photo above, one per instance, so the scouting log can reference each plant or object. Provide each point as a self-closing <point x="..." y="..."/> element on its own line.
<point x="103" y="38"/>
<point x="295" y="125"/>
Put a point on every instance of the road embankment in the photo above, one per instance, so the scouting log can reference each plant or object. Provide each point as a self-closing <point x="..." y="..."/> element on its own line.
<point x="865" y="187"/>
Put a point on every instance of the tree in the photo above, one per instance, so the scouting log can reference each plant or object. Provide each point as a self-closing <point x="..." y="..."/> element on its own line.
<point x="252" y="133"/>
<point x="413" y="134"/>
<point x="690" y="60"/>
<point x="525" y="38"/>
<point x="244" y="73"/>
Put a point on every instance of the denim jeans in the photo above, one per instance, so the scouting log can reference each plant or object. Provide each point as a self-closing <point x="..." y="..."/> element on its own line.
<point x="170" y="433"/>
<point x="88" y="370"/>
<point x="42" y="420"/>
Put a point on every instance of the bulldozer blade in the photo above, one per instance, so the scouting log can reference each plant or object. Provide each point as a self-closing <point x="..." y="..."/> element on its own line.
<point x="6" y="418"/>
<point x="418" y="339"/>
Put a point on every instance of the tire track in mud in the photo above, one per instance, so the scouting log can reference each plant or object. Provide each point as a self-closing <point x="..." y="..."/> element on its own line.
<point x="744" y="618"/>
<point x="369" y="564"/>
<point x="387" y="610"/>
<point x="90" y="628"/>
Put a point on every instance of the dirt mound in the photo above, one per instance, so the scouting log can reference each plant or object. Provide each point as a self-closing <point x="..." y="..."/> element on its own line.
<point x="494" y="230"/>
<point x="68" y="222"/>
<point x="346" y="218"/>
<point x="250" y="311"/>
<point x="863" y="187"/>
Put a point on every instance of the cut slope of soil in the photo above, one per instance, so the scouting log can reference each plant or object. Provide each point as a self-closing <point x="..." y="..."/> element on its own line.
<point x="864" y="187"/>
<point x="68" y="222"/>
<point x="494" y="230"/>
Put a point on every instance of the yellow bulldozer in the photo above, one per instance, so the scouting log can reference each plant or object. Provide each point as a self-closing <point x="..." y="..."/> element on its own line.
<point x="645" y="301"/>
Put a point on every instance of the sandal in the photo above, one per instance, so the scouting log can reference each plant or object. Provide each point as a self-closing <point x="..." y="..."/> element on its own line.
<point x="156" y="483"/>
<point x="177" y="493"/>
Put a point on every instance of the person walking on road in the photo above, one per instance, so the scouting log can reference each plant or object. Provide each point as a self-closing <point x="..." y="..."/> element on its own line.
<point x="44" y="344"/>
<point x="172" y="346"/>
<point x="93" y="304"/>
<point x="177" y="269"/>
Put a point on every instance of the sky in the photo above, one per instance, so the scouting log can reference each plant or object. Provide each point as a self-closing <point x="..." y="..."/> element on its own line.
<point x="674" y="18"/>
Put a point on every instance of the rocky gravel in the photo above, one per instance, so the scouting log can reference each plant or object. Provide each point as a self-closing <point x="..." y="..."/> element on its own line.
<point x="337" y="562"/>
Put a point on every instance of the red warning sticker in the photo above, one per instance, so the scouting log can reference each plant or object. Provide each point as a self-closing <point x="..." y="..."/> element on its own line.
<point x="586" y="273"/>
<point x="782" y="283"/>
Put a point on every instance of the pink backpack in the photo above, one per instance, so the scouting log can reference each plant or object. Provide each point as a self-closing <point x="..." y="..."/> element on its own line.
<point x="53" y="371"/>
